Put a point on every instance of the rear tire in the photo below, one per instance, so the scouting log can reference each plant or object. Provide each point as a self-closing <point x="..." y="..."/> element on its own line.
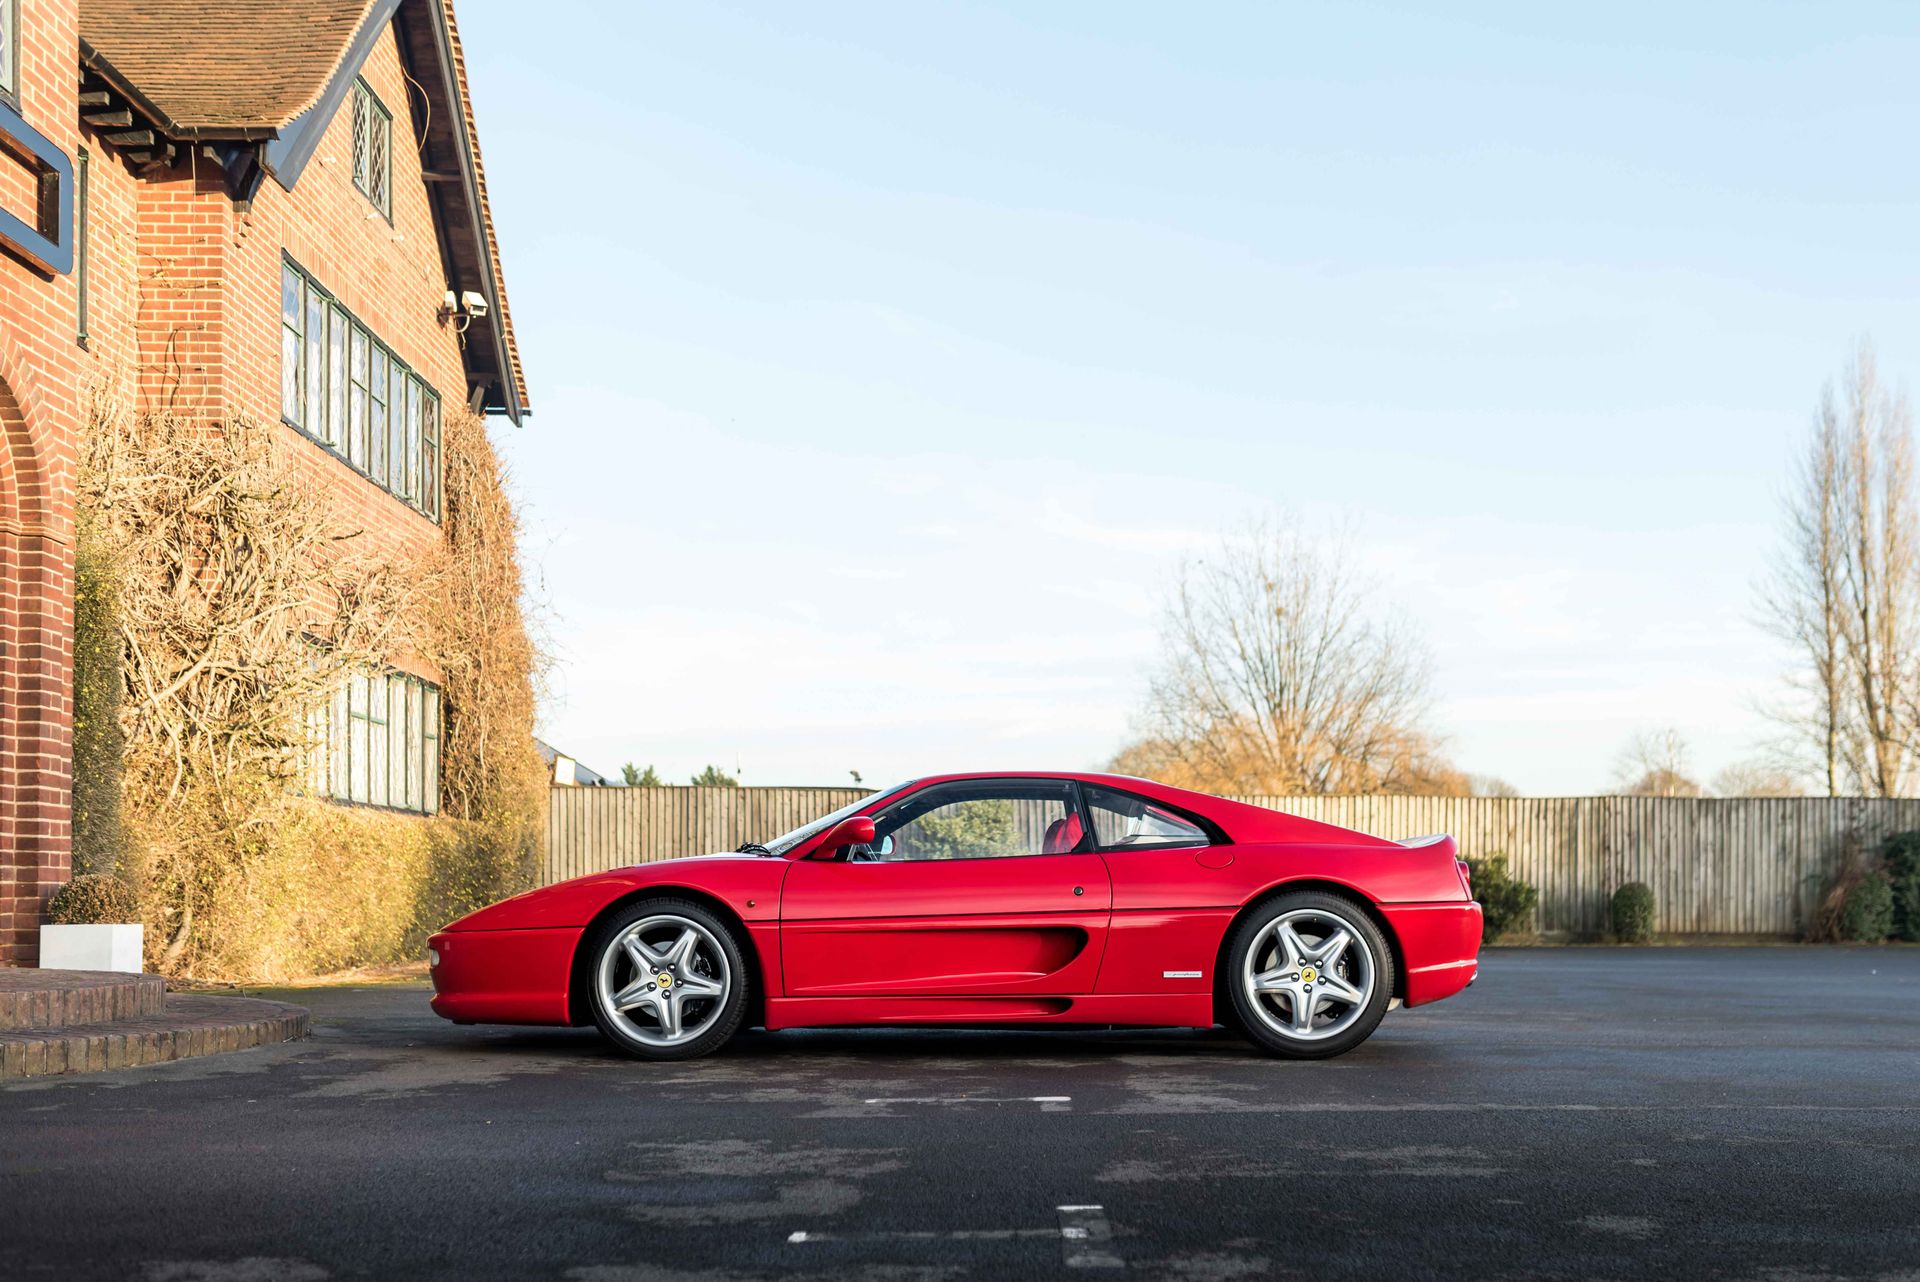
<point x="666" y="980"/>
<point x="1310" y="975"/>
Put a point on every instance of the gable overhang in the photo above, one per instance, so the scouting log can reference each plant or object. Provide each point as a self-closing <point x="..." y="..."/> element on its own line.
<point x="97" y="63"/>
<point x="459" y="200"/>
<point x="286" y="156"/>
<point x="452" y="171"/>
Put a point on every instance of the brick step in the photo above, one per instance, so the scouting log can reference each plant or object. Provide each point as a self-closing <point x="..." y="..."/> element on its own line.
<point x="68" y="998"/>
<point x="191" y="1024"/>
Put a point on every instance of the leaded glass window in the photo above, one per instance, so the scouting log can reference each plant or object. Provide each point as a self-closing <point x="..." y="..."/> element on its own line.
<point x="372" y="148"/>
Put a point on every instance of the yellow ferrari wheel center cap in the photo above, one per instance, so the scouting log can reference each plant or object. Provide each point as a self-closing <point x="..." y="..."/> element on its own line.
<point x="663" y="979"/>
<point x="1308" y="975"/>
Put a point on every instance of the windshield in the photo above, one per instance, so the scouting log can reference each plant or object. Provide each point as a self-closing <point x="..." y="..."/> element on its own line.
<point x="787" y="841"/>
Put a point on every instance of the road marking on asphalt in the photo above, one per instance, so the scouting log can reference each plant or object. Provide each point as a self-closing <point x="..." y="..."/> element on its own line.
<point x="1085" y="1234"/>
<point x="1086" y="1238"/>
<point x="1047" y="1103"/>
<point x="802" y="1236"/>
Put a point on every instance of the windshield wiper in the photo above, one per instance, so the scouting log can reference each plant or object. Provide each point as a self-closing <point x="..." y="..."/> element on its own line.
<point x="751" y="848"/>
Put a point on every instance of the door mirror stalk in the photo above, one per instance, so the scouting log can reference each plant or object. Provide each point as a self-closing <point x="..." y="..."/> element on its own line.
<point x="854" y="831"/>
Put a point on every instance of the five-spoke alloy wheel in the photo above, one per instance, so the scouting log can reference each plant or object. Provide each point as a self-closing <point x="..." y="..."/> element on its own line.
<point x="1310" y="975"/>
<point x="668" y="980"/>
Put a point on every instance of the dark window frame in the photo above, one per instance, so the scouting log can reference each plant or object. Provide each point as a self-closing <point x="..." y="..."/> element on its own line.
<point x="1210" y="832"/>
<point x="336" y="442"/>
<point x="1070" y="793"/>
<point x="368" y="111"/>
<point x="331" y="773"/>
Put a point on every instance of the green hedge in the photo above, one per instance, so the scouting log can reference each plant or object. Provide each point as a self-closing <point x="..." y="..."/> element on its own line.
<point x="1507" y="903"/>
<point x="1902" y="855"/>
<point x="99" y="746"/>
<point x="1632" y="913"/>
<point x="1867" y="916"/>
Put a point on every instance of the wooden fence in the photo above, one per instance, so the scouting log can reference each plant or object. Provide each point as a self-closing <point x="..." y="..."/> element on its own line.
<point x="1741" y="866"/>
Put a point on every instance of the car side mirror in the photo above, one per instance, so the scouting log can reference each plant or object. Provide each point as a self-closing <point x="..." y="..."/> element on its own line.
<point x="856" y="831"/>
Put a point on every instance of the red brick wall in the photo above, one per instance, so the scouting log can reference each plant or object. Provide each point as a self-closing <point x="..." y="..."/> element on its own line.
<point x="40" y="397"/>
<point x="184" y="314"/>
<point x="389" y="275"/>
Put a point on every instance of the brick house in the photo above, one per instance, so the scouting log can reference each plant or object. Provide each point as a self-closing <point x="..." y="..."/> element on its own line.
<point x="265" y="208"/>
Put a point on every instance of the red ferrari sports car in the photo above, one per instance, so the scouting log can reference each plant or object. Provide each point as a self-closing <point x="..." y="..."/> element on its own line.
<point x="987" y="899"/>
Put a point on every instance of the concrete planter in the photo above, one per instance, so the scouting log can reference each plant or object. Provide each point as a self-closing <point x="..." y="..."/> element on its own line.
<point x="91" y="948"/>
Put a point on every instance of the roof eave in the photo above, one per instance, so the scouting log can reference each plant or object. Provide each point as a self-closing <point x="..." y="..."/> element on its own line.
<point x="513" y="402"/>
<point x="95" y="61"/>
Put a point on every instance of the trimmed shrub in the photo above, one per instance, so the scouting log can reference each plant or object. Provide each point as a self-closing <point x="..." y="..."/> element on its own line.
<point x="1867" y="915"/>
<point x="1505" y="902"/>
<point x="1632" y="913"/>
<point x="1902" y="854"/>
<point x="94" y="899"/>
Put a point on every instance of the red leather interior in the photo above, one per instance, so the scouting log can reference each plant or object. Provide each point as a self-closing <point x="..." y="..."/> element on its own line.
<point x="1062" y="836"/>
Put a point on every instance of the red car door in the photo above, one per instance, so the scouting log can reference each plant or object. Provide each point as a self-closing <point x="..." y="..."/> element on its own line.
<point x="973" y="888"/>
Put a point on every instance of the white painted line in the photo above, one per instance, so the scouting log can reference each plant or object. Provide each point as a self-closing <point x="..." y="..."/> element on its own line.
<point x="801" y="1237"/>
<point x="1086" y="1239"/>
<point x="1047" y="1103"/>
<point x="1085" y="1236"/>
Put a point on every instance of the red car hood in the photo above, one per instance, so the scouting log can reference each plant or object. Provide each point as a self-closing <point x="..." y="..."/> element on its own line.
<point x="573" y="902"/>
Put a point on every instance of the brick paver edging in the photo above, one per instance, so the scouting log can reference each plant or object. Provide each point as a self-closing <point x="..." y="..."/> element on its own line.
<point x="61" y="998"/>
<point x="191" y="1025"/>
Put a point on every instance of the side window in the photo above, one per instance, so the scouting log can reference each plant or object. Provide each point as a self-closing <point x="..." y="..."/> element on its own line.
<point x="987" y="819"/>
<point x="372" y="148"/>
<point x="1122" y="821"/>
<point x="10" y="52"/>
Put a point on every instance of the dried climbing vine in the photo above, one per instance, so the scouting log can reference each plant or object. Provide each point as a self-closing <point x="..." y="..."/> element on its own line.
<point x="243" y="600"/>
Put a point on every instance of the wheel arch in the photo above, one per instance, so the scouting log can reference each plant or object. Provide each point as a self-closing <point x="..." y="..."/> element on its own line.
<point x="580" y="972"/>
<point x="1222" y="1000"/>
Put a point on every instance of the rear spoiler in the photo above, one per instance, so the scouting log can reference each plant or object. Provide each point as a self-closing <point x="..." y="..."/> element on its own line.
<point x="1443" y="844"/>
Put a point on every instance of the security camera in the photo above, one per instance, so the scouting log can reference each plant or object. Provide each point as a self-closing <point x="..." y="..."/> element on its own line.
<point x="474" y="305"/>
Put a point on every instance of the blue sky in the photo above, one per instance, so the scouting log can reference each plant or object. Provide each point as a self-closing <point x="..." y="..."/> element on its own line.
<point x="886" y="358"/>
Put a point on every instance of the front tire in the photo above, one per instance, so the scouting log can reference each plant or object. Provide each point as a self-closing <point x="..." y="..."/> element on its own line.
<point x="1310" y="975"/>
<point x="668" y="980"/>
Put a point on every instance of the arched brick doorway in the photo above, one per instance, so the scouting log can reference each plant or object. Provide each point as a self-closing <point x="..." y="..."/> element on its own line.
<point x="36" y="653"/>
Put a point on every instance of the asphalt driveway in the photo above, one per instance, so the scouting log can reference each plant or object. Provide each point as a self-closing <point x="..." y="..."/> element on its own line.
<point x="1713" y="1113"/>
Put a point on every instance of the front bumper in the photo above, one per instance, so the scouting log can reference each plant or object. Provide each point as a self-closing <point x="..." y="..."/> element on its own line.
<point x="503" y="976"/>
<point x="1440" y="944"/>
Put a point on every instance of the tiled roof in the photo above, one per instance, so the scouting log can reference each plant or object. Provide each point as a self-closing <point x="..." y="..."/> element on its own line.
<point x="223" y="65"/>
<point x="248" y="68"/>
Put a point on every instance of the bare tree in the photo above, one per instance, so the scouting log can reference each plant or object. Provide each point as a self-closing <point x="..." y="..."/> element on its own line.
<point x="1846" y="588"/>
<point x="1490" y="786"/>
<point x="1655" y="763"/>
<point x="1278" y="677"/>
<point x="1757" y="778"/>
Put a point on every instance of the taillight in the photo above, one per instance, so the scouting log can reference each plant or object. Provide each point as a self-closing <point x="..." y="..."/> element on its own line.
<point x="1466" y="876"/>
